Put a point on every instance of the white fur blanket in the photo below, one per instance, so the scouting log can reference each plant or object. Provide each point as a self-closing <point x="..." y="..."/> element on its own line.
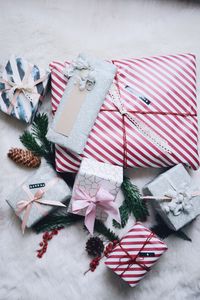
<point x="43" y="30"/>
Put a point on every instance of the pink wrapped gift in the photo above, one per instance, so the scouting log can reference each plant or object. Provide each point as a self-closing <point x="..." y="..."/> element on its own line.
<point x="148" y="119"/>
<point x="135" y="254"/>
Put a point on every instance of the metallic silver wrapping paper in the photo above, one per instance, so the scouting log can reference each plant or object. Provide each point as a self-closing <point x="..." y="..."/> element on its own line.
<point x="175" y="177"/>
<point x="58" y="192"/>
<point x="104" y="75"/>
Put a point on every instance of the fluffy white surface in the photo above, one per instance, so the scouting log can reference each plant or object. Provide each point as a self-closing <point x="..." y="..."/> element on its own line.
<point x="43" y="30"/>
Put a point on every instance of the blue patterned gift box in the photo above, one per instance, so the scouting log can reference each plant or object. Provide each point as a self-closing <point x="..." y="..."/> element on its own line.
<point x="22" y="87"/>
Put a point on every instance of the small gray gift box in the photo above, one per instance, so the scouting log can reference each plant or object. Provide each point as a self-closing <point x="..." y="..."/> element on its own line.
<point x="88" y="85"/>
<point x="48" y="185"/>
<point x="177" y="199"/>
<point x="93" y="175"/>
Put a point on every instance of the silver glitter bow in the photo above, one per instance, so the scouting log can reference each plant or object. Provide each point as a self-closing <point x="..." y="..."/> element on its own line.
<point x="85" y="78"/>
<point x="180" y="200"/>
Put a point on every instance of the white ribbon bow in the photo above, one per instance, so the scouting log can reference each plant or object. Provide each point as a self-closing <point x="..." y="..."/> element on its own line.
<point x="86" y="77"/>
<point x="22" y="87"/>
<point x="180" y="200"/>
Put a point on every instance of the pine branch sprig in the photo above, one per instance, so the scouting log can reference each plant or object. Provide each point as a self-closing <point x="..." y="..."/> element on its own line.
<point x="29" y="141"/>
<point x="135" y="204"/>
<point x="124" y="213"/>
<point x="132" y="204"/>
<point x="40" y="129"/>
<point x="40" y="125"/>
<point x="101" y="228"/>
<point x="36" y="141"/>
<point x="55" y="221"/>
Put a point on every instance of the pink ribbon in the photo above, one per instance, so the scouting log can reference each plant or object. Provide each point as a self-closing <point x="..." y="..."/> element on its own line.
<point x="26" y="205"/>
<point x="102" y="199"/>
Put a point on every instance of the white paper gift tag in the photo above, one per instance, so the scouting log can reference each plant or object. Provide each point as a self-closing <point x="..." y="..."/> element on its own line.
<point x="70" y="111"/>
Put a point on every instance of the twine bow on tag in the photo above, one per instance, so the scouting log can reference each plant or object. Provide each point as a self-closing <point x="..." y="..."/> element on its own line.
<point x="102" y="199"/>
<point x="26" y="205"/>
<point x="15" y="88"/>
<point x="85" y="78"/>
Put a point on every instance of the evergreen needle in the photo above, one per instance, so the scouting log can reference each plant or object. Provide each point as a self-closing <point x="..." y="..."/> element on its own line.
<point x="132" y="204"/>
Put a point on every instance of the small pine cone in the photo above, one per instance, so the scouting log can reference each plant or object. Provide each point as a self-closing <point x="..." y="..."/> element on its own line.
<point x="24" y="157"/>
<point x="94" y="246"/>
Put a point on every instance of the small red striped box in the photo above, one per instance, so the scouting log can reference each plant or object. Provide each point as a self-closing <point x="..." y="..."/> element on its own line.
<point x="160" y="93"/>
<point x="135" y="254"/>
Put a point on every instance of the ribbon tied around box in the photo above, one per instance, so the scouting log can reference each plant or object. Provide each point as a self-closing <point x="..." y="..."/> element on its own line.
<point x="26" y="205"/>
<point x="13" y="89"/>
<point x="103" y="199"/>
<point x="140" y="126"/>
<point x="130" y="259"/>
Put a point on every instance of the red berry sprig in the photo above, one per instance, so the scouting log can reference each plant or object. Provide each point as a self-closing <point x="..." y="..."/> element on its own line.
<point x="95" y="262"/>
<point x="110" y="247"/>
<point x="47" y="236"/>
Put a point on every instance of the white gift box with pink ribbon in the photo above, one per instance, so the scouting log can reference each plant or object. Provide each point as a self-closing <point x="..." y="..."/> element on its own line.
<point x="95" y="190"/>
<point x="38" y="196"/>
<point x="175" y="197"/>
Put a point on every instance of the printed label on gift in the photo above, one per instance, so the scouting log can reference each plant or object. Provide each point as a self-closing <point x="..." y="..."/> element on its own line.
<point x="36" y="185"/>
<point x="141" y="97"/>
<point x="70" y="111"/>
<point x="146" y="254"/>
<point x="130" y="263"/>
<point x="170" y="115"/>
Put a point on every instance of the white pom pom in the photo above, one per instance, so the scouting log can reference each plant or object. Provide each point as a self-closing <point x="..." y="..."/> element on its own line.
<point x="166" y="208"/>
<point x="177" y="210"/>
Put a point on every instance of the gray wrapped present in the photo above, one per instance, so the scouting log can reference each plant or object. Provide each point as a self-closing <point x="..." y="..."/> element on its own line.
<point x="22" y="87"/>
<point x="89" y="83"/>
<point x="175" y="197"/>
<point x="95" y="190"/>
<point x="38" y="195"/>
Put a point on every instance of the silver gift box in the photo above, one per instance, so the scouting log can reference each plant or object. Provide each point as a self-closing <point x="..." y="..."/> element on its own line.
<point x="92" y="175"/>
<point x="57" y="192"/>
<point x="82" y="125"/>
<point x="173" y="181"/>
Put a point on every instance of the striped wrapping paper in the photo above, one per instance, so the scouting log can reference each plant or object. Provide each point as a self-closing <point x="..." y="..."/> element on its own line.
<point x="160" y="92"/>
<point x="135" y="254"/>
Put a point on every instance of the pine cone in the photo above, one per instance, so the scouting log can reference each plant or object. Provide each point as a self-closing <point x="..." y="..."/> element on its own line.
<point x="24" y="157"/>
<point x="94" y="246"/>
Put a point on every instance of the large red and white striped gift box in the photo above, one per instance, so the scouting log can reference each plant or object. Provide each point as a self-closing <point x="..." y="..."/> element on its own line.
<point x="159" y="93"/>
<point x="135" y="254"/>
